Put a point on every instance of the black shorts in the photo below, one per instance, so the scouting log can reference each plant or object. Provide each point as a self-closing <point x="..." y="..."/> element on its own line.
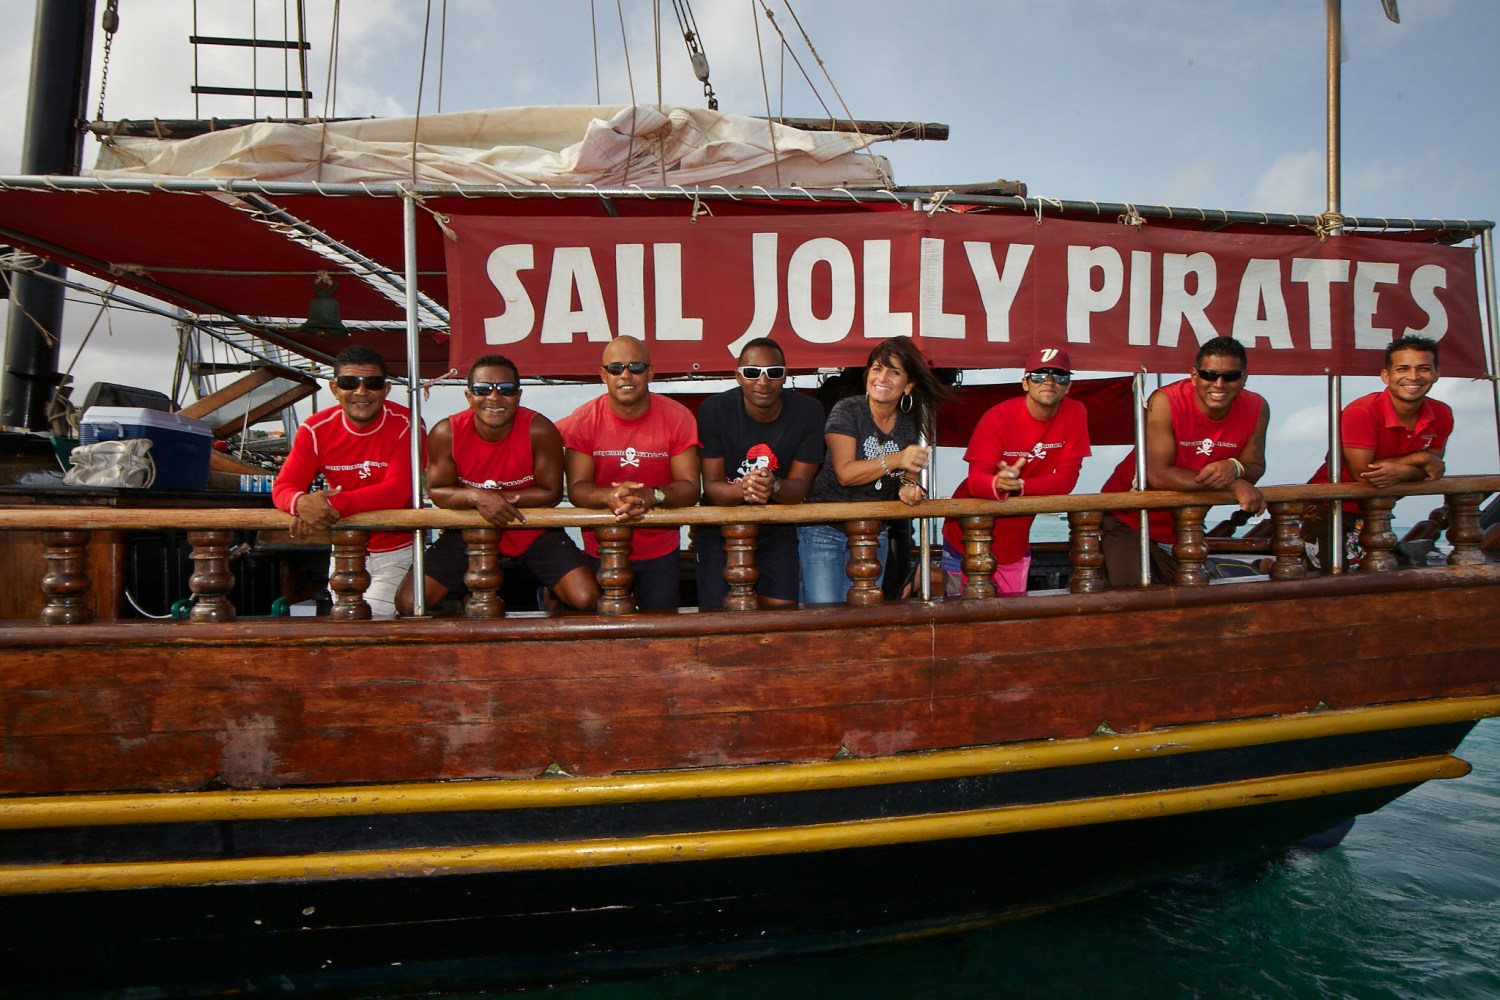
<point x="550" y="558"/>
<point x="658" y="582"/>
<point x="775" y="557"/>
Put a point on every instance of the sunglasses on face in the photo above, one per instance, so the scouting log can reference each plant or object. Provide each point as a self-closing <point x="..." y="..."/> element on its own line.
<point x="1045" y="376"/>
<point x="621" y="367"/>
<point x="754" y="372"/>
<point x="503" y="388"/>
<point x="348" y="383"/>
<point x="1229" y="376"/>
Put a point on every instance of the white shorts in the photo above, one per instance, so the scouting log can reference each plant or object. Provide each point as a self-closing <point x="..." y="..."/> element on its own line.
<point x="387" y="570"/>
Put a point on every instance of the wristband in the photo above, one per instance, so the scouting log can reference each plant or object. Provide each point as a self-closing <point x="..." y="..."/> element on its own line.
<point x="1239" y="468"/>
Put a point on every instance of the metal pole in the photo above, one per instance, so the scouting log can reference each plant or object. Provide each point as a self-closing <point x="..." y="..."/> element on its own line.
<point x="1138" y="390"/>
<point x="1334" y="561"/>
<point x="924" y="524"/>
<point x="1335" y="55"/>
<point x="414" y="401"/>
<point x="1492" y="317"/>
<point x="63" y="37"/>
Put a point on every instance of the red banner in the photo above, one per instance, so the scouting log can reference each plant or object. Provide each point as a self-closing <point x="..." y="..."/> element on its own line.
<point x="975" y="291"/>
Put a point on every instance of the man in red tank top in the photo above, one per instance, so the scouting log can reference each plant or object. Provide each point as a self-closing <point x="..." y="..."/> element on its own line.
<point x="497" y="457"/>
<point x="1204" y="433"/>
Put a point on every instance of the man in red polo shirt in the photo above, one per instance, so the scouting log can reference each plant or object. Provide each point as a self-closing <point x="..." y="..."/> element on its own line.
<point x="1393" y="436"/>
<point x="362" y="447"/>
<point x="631" y="451"/>
<point x="1031" y="445"/>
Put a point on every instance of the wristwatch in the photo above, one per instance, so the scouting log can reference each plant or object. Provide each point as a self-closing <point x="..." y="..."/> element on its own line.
<point x="659" y="497"/>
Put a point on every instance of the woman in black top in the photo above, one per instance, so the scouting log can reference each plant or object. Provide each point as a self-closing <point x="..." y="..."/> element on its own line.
<point x="875" y="450"/>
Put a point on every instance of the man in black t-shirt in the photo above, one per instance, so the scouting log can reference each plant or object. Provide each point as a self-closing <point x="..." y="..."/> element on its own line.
<point x="759" y="445"/>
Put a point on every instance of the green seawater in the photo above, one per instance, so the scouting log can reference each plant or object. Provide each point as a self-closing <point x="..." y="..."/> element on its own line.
<point x="1407" y="906"/>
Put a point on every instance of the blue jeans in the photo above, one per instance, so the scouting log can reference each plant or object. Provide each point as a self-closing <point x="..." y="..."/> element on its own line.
<point x="823" y="552"/>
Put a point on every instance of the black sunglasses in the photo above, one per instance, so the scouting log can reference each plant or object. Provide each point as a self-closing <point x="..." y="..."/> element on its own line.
<point x="503" y="388"/>
<point x="621" y="367"/>
<point x="753" y="372"/>
<point x="349" y="383"/>
<point x="1038" y="377"/>
<point x="1230" y="376"/>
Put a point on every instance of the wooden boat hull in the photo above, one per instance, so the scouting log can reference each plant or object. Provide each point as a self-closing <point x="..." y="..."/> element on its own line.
<point x="486" y="897"/>
<point x="217" y="807"/>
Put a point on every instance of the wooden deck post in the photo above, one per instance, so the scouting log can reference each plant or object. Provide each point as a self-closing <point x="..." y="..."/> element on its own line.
<point x="1376" y="537"/>
<point x="864" y="563"/>
<point x="979" y="556"/>
<point x="615" y="575"/>
<point x="1086" y="552"/>
<point x="211" y="579"/>
<point x="1464" y="533"/>
<point x="1286" y="541"/>
<point x="349" y="579"/>
<point x="66" y="582"/>
<point x="740" y="571"/>
<point x="1191" y="547"/>
<point x="483" y="576"/>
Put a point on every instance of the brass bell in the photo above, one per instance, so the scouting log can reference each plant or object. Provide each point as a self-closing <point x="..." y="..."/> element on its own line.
<point x="323" y="310"/>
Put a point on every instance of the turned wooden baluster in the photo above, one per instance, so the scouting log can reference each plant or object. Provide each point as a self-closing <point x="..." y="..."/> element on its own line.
<point x="211" y="578"/>
<point x="979" y="556"/>
<point x="66" y="582"/>
<point x="740" y="571"/>
<point x="1464" y="533"/>
<point x="1376" y="537"/>
<point x="615" y="575"/>
<point x="864" y="563"/>
<point x="483" y="577"/>
<point x="1191" y="546"/>
<point x="1286" y="541"/>
<point x="1086" y="552"/>
<point x="349" y="579"/>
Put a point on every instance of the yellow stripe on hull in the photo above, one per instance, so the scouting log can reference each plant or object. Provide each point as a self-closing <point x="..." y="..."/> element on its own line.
<point x="727" y="844"/>
<point x="767" y="779"/>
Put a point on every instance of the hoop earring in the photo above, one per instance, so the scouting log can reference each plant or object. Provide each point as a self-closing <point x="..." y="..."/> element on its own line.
<point x="906" y="403"/>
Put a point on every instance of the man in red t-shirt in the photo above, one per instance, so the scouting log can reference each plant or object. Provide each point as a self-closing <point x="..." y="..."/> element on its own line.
<point x="362" y="447"/>
<point x="1204" y="433"/>
<point x="629" y="452"/>
<point x="1033" y="445"/>
<point x="1397" y="435"/>
<point x="495" y="457"/>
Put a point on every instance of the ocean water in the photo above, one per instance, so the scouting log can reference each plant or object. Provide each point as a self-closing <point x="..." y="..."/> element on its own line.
<point x="1407" y="906"/>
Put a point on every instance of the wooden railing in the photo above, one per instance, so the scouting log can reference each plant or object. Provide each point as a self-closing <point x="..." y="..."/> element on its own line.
<point x="66" y="533"/>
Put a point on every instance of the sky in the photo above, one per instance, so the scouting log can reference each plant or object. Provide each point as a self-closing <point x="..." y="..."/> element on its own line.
<point x="1208" y="103"/>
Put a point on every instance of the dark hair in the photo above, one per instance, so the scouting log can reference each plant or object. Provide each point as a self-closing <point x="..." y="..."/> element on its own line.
<point x="766" y="342"/>
<point x="1410" y="343"/>
<point x="1221" y="347"/>
<point x="491" y="361"/>
<point x="926" y="391"/>
<point x="358" y="354"/>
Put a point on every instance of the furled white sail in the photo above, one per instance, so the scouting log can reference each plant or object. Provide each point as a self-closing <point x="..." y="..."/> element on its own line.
<point x="606" y="146"/>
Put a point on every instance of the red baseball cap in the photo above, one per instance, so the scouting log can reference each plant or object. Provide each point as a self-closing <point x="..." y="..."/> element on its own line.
<point x="1049" y="357"/>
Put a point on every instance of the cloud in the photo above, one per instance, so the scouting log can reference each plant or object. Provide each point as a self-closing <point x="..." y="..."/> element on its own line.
<point x="1294" y="182"/>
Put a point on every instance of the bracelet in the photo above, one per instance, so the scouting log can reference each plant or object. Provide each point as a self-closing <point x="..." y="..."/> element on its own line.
<point x="880" y="457"/>
<point x="1239" y="468"/>
<point x="908" y="481"/>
